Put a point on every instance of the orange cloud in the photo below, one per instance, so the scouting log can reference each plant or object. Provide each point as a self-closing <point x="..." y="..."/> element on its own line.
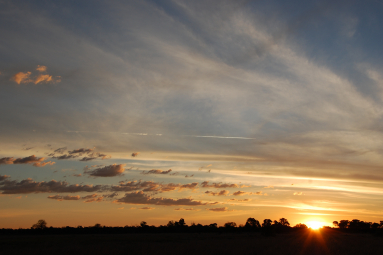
<point x="22" y="77"/>
<point x="27" y="160"/>
<point x="41" y="164"/>
<point x="41" y="68"/>
<point x="43" y="78"/>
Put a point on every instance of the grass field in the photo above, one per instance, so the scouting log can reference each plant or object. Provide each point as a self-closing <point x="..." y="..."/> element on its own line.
<point x="305" y="242"/>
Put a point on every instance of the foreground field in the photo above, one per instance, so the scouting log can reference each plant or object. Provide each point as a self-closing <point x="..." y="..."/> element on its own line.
<point x="305" y="242"/>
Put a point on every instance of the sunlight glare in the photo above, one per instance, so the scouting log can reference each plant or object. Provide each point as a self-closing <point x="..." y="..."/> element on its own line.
<point x="314" y="224"/>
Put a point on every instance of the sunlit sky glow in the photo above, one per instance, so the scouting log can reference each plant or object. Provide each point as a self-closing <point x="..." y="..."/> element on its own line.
<point x="213" y="111"/>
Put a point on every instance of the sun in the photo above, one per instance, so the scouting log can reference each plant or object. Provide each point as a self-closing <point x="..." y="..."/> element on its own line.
<point x="314" y="224"/>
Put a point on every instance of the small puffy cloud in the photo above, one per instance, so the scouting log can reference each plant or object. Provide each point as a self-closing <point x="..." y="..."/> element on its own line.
<point x="41" y="68"/>
<point x="218" y="185"/>
<point x="186" y="209"/>
<point x="139" y="197"/>
<point x="80" y="152"/>
<point x="88" y="154"/>
<point x="221" y="193"/>
<point x="29" y="186"/>
<point x="146" y="208"/>
<point x="21" y="77"/>
<point x="135" y="154"/>
<point x="269" y="187"/>
<point x="61" y="198"/>
<point x="107" y="171"/>
<point x="298" y="193"/>
<point x="149" y="186"/>
<point x="77" y="175"/>
<point x="218" y="209"/>
<point x="154" y="171"/>
<point x="240" y="193"/>
<point x="43" y="78"/>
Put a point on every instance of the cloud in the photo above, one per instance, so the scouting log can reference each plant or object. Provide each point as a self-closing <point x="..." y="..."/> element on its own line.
<point x="77" y="175"/>
<point x="135" y="154"/>
<point x="221" y="193"/>
<point x="148" y="186"/>
<point x="67" y="197"/>
<point x="240" y="193"/>
<point x="146" y="208"/>
<point x="22" y="77"/>
<point x="186" y="209"/>
<point x="27" y="160"/>
<point x="218" y="185"/>
<point x="43" y="78"/>
<point x="298" y="193"/>
<point x="240" y="200"/>
<point x="41" y="68"/>
<point x="218" y="209"/>
<point x="108" y="171"/>
<point x="3" y="177"/>
<point x="90" y="154"/>
<point x="41" y="164"/>
<point x="139" y="197"/>
<point x="30" y="186"/>
<point x="157" y="171"/>
<point x="269" y="187"/>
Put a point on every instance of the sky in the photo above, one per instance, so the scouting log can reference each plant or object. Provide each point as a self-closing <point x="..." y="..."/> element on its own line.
<point x="117" y="112"/>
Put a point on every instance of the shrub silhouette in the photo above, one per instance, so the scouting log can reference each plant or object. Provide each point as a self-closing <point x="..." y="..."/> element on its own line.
<point x="41" y="224"/>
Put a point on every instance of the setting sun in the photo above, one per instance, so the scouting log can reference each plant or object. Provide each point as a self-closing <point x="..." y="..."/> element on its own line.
<point x="314" y="224"/>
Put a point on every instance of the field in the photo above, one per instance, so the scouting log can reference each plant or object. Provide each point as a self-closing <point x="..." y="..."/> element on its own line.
<point x="305" y="242"/>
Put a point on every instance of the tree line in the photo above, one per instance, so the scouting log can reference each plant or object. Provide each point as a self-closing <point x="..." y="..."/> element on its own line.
<point x="267" y="227"/>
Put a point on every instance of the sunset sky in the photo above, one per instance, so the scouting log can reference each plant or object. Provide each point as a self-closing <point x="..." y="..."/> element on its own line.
<point x="116" y="112"/>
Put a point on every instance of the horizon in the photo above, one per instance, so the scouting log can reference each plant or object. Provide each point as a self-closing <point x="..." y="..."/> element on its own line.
<point x="117" y="113"/>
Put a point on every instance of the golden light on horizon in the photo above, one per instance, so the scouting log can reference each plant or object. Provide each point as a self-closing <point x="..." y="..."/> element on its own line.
<point x="315" y="224"/>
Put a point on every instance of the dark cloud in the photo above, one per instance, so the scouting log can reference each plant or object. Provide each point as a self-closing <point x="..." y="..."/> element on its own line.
<point x="187" y="176"/>
<point x="221" y="193"/>
<point x="219" y="185"/>
<point x="241" y="193"/>
<point x="107" y="171"/>
<point x="148" y="186"/>
<point x="30" y="186"/>
<point x="89" y="154"/>
<point x="67" y="197"/>
<point x="154" y="171"/>
<point x="3" y="177"/>
<point x="135" y="154"/>
<point x="139" y="197"/>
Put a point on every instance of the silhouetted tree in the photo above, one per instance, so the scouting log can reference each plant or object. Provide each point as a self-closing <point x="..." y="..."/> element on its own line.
<point x="335" y="223"/>
<point x="143" y="224"/>
<point x="266" y="223"/>
<point x="343" y="224"/>
<point x="41" y="224"/>
<point x="252" y="223"/>
<point x="284" y="222"/>
<point x="170" y="224"/>
<point x="230" y="225"/>
<point x="213" y="225"/>
<point x="301" y="226"/>
<point x="97" y="225"/>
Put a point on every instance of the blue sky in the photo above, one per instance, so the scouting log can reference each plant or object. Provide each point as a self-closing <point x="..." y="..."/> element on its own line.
<point x="282" y="98"/>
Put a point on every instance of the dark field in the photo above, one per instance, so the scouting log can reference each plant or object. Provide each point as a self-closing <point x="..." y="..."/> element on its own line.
<point x="302" y="242"/>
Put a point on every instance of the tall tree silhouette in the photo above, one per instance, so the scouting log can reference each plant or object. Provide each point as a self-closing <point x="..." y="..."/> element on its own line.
<point x="41" y="224"/>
